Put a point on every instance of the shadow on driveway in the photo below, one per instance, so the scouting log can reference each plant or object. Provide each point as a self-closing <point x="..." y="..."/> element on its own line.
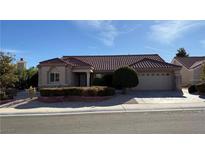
<point x="118" y="99"/>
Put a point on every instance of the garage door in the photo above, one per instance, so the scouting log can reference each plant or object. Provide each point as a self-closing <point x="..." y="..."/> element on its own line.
<point x="155" y="81"/>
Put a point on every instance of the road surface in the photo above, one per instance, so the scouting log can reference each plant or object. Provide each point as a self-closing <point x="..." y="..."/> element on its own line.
<point x="147" y="122"/>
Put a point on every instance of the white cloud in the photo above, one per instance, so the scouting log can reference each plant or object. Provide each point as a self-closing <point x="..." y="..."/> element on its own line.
<point x="105" y="31"/>
<point x="168" y="31"/>
<point x="11" y="50"/>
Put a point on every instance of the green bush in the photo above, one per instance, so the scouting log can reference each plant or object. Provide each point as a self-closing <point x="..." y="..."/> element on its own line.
<point x="3" y="96"/>
<point x="33" y="80"/>
<point x="201" y="87"/>
<point x="107" y="80"/>
<point x="125" y="77"/>
<point x="108" y="91"/>
<point x="78" y="91"/>
<point x="90" y="92"/>
<point x="8" y="93"/>
<point x="52" y="92"/>
<point x="192" y="89"/>
<point x="98" y="82"/>
<point x="11" y="92"/>
<point x="72" y="91"/>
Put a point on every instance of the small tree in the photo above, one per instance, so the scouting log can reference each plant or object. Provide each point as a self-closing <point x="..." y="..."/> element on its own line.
<point x="22" y="78"/>
<point x="32" y="77"/>
<point x="8" y="76"/>
<point x="181" y="52"/>
<point x="125" y="77"/>
<point x="203" y="73"/>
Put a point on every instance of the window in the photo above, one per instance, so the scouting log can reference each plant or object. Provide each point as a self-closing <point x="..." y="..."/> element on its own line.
<point x="99" y="75"/>
<point x="54" y="77"/>
<point x="167" y="74"/>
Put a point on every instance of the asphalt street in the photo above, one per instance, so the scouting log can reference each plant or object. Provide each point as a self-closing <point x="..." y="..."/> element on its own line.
<point x="146" y="122"/>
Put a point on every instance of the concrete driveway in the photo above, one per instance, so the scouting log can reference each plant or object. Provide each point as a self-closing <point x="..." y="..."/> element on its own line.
<point x="167" y="97"/>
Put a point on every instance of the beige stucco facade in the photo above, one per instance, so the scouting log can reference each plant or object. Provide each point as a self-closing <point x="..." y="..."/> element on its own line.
<point x="189" y="76"/>
<point x="157" y="80"/>
<point x="67" y="75"/>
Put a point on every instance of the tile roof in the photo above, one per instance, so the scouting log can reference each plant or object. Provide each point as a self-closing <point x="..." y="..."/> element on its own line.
<point x="189" y="61"/>
<point x="147" y="63"/>
<point x="54" y="61"/>
<point x="113" y="62"/>
<point x="75" y="61"/>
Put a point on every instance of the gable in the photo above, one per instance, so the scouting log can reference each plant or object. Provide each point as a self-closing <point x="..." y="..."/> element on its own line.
<point x="188" y="62"/>
<point x="147" y="63"/>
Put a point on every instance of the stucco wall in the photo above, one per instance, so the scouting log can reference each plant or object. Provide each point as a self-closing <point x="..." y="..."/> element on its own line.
<point x="186" y="75"/>
<point x="64" y="78"/>
<point x="196" y="74"/>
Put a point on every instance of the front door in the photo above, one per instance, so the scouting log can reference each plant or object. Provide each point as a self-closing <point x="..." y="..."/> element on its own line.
<point x="82" y="79"/>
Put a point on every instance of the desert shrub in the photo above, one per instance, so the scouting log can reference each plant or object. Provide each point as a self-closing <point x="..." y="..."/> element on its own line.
<point x="125" y="77"/>
<point x="98" y="82"/>
<point x="78" y="91"/>
<point x="201" y="87"/>
<point x="192" y="89"/>
<point x="31" y="92"/>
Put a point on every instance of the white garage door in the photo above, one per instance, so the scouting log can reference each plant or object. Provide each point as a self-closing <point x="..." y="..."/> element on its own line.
<point x="155" y="81"/>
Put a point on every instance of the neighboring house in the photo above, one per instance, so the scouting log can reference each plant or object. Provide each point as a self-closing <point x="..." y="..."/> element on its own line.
<point x="191" y="69"/>
<point x="153" y="72"/>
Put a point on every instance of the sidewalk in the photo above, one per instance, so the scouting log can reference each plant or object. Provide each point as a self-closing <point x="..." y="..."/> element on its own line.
<point x="100" y="109"/>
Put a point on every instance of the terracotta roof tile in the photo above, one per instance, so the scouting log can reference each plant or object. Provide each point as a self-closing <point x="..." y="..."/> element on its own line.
<point x="189" y="61"/>
<point x="54" y="61"/>
<point x="147" y="63"/>
<point x="75" y="61"/>
<point x="113" y="62"/>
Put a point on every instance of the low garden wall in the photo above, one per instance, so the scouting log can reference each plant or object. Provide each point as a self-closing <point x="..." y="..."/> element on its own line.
<point x="83" y="94"/>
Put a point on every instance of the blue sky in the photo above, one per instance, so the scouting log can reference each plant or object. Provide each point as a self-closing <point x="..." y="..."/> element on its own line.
<point x="41" y="40"/>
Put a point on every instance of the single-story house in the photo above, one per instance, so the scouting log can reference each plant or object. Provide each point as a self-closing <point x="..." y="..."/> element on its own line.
<point x="153" y="72"/>
<point x="191" y="69"/>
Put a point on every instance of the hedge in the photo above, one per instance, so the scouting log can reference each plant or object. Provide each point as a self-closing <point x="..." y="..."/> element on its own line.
<point x="201" y="87"/>
<point x="78" y="91"/>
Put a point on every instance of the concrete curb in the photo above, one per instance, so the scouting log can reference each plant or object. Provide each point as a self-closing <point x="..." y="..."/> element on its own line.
<point x="101" y="111"/>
